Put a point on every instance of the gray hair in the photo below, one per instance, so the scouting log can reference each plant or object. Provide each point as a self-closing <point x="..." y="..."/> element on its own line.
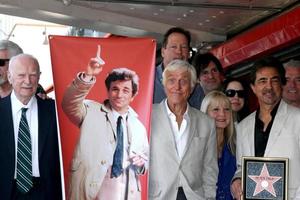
<point x="292" y="63"/>
<point x="12" y="48"/>
<point x="181" y="64"/>
<point x="14" y="58"/>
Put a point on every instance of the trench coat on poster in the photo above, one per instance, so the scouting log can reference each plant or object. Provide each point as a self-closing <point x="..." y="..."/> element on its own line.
<point x="93" y="155"/>
<point x="196" y="172"/>
<point x="284" y="141"/>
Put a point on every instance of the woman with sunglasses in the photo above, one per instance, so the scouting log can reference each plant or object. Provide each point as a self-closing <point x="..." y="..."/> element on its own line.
<point x="217" y="105"/>
<point x="235" y="91"/>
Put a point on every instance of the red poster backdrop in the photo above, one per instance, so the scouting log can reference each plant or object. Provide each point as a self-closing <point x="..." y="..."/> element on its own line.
<point x="70" y="55"/>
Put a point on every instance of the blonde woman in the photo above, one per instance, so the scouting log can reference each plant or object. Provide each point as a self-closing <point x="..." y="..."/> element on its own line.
<point x="218" y="106"/>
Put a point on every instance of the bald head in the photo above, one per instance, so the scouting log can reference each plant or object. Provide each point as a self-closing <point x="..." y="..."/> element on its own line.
<point x="24" y="74"/>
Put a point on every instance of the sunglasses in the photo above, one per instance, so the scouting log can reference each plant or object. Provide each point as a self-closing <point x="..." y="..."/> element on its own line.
<point x="3" y="61"/>
<point x="231" y="93"/>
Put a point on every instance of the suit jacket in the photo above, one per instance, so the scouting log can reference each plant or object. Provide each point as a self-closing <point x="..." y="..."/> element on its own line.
<point x="284" y="141"/>
<point x="48" y="150"/>
<point x="197" y="171"/>
<point x="159" y="94"/>
<point x="93" y="155"/>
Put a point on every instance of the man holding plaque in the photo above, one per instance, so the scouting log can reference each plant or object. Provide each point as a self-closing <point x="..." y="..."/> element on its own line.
<point x="273" y="130"/>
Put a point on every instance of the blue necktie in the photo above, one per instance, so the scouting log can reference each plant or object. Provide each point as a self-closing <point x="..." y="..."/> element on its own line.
<point x="24" y="158"/>
<point x="116" y="169"/>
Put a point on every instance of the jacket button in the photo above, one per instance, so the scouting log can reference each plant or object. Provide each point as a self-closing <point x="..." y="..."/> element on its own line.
<point x="103" y="162"/>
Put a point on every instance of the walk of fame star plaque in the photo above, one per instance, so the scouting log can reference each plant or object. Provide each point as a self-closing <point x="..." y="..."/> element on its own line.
<point x="264" y="178"/>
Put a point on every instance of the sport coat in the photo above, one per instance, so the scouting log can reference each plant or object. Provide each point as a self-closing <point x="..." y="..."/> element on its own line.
<point x="93" y="155"/>
<point x="48" y="150"/>
<point x="196" y="172"/>
<point x="284" y="141"/>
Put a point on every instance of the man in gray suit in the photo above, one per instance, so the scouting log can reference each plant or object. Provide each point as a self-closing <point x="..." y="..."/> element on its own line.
<point x="183" y="156"/>
<point x="273" y="130"/>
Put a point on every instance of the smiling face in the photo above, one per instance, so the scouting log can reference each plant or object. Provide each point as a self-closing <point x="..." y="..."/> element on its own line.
<point x="177" y="47"/>
<point x="178" y="86"/>
<point x="237" y="103"/>
<point x="291" y="91"/>
<point x="24" y="75"/>
<point x="120" y="95"/>
<point x="267" y="86"/>
<point x="220" y="111"/>
<point x="210" y="78"/>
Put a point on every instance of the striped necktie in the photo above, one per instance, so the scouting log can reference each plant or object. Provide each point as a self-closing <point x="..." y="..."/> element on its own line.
<point x="24" y="156"/>
<point x="117" y="169"/>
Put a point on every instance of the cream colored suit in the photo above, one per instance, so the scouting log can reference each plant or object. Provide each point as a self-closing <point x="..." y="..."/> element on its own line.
<point x="93" y="155"/>
<point x="284" y="141"/>
<point x="197" y="172"/>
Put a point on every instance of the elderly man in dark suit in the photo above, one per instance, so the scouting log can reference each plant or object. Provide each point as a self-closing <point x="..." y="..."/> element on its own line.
<point x="29" y="150"/>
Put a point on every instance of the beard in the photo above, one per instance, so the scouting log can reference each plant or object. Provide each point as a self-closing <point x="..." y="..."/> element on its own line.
<point x="2" y="80"/>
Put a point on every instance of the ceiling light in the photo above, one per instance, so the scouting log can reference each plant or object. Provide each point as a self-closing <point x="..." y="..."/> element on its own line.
<point x="207" y="20"/>
<point x="221" y="12"/>
<point x="191" y="11"/>
<point x="161" y="10"/>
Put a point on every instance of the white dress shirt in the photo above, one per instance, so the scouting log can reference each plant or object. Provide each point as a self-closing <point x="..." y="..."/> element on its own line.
<point x="32" y="118"/>
<point x="180" y="133"/>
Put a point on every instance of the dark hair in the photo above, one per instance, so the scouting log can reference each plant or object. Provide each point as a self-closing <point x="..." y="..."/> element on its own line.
<point x="201" y="61"/>
<point x="245" y="111"/>
<point x="122" y="74"/>
<point x="269" y="62"/>
<point x="184" y="32"/>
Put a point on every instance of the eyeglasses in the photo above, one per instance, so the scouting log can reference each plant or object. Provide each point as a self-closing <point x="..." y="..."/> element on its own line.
<point x="231" y="93"/>
<point x="3" y="61"/>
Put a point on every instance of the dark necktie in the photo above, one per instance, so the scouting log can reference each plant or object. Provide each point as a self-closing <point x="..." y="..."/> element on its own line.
<point x="116" y="169"/>
<point x="24" y="156"/>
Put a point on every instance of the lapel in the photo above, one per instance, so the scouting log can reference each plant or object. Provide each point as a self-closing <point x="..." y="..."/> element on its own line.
<point x="192" y="128"/>
<point x="250" y="134"/>
<point x="164" y="122"/>
<point x="277" y="126"/>
<point x="107" y="109"/>
<point x="8" y="128"/>
<point x="44" y="121"/>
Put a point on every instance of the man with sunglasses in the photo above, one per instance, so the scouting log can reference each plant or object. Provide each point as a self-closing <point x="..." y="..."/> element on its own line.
<point x="271" y="131"/>
<point x="8" y="49"/>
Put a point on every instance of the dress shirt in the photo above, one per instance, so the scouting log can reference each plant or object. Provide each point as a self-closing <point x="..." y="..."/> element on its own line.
<point x="116" y="115"/>
<point x="32" y="118"/>
<point x="261" y="136"/>
<point x="180" y="133"/>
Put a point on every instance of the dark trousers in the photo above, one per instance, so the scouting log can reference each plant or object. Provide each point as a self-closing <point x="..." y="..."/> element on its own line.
<point x="34" y="193"/>
<point x="180" y="194"/>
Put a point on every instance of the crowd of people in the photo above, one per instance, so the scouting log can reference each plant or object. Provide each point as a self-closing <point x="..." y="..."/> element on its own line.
<point x="201" y="127"/>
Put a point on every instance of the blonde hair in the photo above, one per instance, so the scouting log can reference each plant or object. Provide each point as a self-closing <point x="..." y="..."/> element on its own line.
<point x="215" y="98"/>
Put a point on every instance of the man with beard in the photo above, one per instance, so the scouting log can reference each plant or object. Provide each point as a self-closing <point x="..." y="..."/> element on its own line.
<point x="291" y="91"/>
<point x="8" y="49"/>
<point x="273" y="130"/>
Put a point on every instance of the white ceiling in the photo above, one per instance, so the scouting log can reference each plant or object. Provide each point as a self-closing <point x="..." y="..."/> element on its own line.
<point x="210" y="21"/>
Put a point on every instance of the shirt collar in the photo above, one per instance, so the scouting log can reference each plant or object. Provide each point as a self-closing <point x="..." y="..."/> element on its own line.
<point x="171" y="114"/>
<point x="17" y="105"/>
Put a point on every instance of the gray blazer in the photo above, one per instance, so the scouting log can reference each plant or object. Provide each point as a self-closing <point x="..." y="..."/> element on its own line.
<point x="284" y="141"/>
<point x="197" y="171"/>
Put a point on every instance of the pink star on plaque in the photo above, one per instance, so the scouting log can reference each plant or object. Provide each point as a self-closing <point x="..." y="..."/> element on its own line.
<point x="264" y="181"/>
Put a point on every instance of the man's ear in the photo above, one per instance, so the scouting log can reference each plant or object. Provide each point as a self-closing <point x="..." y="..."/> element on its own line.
<point x="162" y="52"/>
<point x="252" y="88"/>
<point x="9" y="78"/>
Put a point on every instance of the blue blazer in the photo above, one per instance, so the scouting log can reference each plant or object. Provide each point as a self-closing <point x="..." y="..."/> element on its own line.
<point x="49" y="165"/>
<point x="227" y="167"/>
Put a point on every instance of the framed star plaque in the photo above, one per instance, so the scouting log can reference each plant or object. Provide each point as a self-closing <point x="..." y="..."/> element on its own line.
<point x="264" y="178"/>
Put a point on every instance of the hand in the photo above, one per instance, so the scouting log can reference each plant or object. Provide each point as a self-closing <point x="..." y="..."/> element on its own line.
<point x="138" y="160"/>
<point x="236" y="189"/>
<point x="94" y="68"/>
